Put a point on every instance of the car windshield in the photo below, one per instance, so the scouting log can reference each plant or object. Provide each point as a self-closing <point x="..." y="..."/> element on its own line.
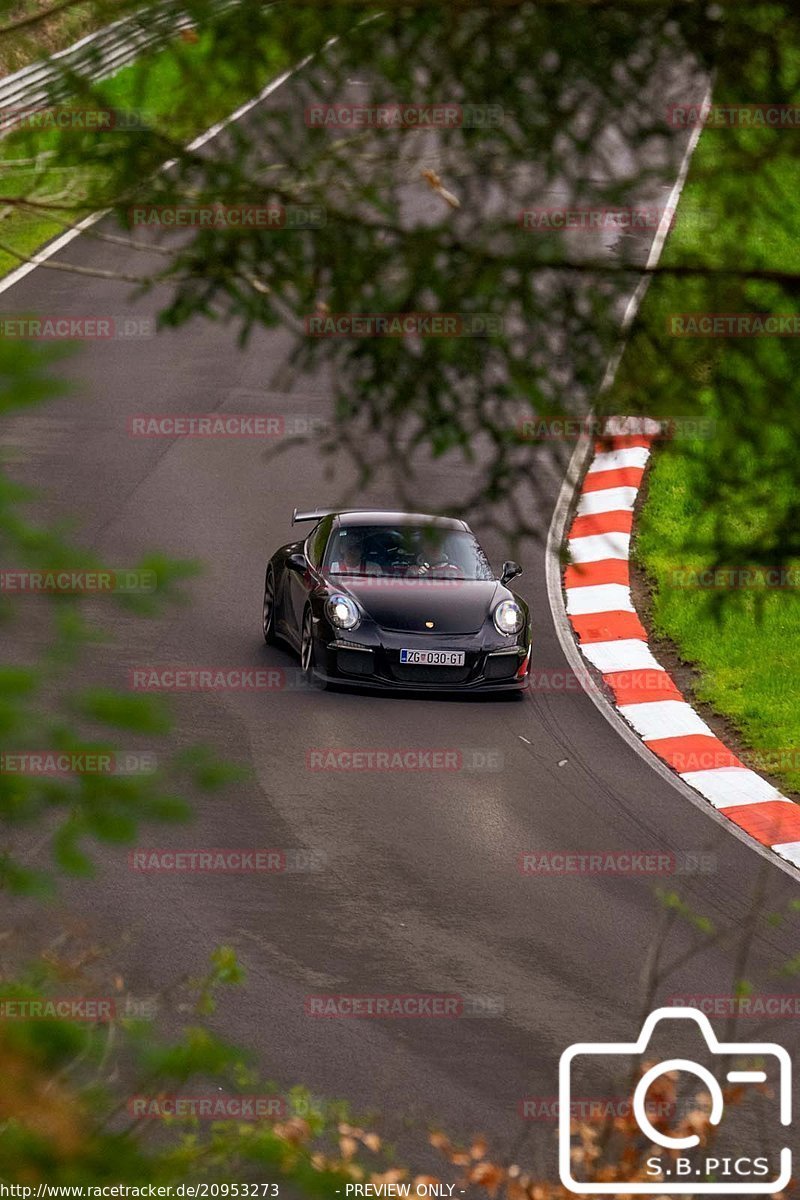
<point x="408" y="551"/>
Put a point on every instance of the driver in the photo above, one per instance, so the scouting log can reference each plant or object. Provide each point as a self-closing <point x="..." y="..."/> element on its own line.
<point x="353" y="553"/>
<point x="436" y="558"/>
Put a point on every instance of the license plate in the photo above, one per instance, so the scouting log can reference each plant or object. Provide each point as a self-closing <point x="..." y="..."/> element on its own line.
<point x="433" y="658"/>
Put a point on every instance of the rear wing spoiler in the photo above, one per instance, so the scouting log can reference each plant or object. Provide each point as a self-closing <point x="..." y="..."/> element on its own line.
<point x="312" y="514"/>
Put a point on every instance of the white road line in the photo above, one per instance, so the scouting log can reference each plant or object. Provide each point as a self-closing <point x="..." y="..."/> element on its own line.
<point x="553" y="578"/>
<point x="65" y="238"/>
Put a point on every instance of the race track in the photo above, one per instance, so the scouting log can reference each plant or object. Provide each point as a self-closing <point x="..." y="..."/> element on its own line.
<point x="420" y="890"/>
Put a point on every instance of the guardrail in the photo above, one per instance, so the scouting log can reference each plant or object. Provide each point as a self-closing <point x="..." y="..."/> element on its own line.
<point x="96" y="56"/>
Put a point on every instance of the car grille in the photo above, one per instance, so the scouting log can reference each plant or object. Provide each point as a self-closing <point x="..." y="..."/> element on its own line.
<point x="501" y="666"/>
<point x="355" y="662"/>
<point x="404" y="674"/>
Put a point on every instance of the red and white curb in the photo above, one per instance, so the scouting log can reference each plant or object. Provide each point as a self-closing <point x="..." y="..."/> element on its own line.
<point x="613" y="639"/>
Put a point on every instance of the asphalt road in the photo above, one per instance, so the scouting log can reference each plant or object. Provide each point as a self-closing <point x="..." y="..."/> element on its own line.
<point x="420" y="889"/>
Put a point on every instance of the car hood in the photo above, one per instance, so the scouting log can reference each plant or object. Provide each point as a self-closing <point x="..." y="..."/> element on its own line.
<point x="453" y="605"/>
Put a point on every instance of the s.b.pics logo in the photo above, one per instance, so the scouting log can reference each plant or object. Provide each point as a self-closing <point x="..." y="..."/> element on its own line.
<point x="707" y="1151"/>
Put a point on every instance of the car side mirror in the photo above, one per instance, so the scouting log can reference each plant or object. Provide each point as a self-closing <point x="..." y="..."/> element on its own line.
<point x="511" y="570"/>
<point x="296" y="562"/>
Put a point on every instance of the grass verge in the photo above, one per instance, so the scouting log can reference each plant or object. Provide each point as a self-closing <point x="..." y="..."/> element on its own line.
<point x="161" y="87"/>
<point x="730" y="496"/>
<point x="29" y="39"/>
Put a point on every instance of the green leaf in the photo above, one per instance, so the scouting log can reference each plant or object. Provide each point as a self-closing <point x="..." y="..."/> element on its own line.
<point x="137" y="714"/>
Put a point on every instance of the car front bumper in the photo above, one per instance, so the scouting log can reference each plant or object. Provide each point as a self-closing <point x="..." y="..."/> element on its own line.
<point x="487" y="667"/>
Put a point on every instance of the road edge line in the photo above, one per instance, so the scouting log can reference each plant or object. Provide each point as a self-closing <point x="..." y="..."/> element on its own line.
<point x="556" y="536"/>
<point x="64" y="239"/>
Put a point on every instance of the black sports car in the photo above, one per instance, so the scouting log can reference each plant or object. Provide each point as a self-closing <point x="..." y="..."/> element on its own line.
<point x="401" y="601"/>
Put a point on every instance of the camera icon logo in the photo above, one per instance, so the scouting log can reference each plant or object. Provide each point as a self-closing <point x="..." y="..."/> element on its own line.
<point x="676" y="1174"/>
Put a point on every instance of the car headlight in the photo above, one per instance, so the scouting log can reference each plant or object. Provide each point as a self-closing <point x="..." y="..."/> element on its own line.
<point x="343" y="612"/>
<point x="508" y="617"/>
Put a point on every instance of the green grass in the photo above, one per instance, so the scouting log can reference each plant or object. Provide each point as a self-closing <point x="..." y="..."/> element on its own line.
<point x="742" y="641"/>
<point x="726" y="490"/>
<point x="162" y="86"/>
<point x="31" y="42"/>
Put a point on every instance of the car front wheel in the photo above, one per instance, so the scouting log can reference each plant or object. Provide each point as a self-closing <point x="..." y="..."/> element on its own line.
<point x="268" y="612"/>
<point x="307" y="652"/>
